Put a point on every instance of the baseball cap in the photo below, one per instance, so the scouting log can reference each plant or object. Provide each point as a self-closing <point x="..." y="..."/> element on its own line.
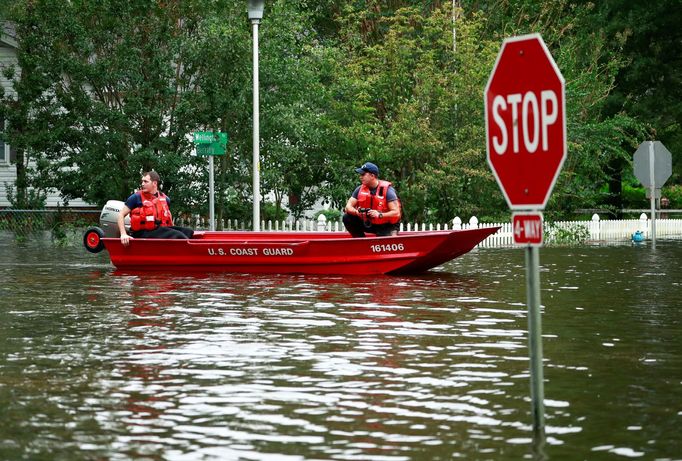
<point x="369" y="168"/>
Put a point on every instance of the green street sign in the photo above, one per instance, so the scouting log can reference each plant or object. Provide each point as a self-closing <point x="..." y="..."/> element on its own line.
<point x="210" y="143"/>
<point x="204" y="150"/>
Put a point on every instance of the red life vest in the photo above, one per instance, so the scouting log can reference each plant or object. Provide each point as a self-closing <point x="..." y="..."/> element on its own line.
<point x="153" y="213"/>
<point x="377" y="202"/>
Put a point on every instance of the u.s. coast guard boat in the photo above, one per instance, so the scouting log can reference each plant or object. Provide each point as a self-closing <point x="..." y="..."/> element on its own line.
<point x="283" y="252"/>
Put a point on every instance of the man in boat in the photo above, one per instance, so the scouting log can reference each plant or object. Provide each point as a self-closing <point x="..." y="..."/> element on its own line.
<point x="374" y="206"/>
<point x="150" y="215"/>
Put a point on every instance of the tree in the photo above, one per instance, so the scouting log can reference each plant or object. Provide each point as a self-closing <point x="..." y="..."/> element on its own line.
<point x="110" y="89"/>
<point x="294" y="98"/>
<point x="650" y="85"/>
<point x="417" y="99"/>
<point x="115" y="87"/>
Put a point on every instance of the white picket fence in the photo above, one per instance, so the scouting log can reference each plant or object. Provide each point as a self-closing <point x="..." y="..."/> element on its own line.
<point x="597" y="229"/>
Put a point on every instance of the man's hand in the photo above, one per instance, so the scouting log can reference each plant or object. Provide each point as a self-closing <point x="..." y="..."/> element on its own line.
<point x="125" y="239"/>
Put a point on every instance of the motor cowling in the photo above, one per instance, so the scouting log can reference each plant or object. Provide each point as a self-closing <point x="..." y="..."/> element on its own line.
<point x="108" y="218"/>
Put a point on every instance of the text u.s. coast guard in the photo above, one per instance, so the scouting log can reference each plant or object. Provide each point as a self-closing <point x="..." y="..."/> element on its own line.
<point x="219" y="251"/>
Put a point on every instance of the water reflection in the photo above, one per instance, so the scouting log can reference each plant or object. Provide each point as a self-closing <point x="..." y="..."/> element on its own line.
<point x="224" y="366"/>
<point x="282" y="359"/>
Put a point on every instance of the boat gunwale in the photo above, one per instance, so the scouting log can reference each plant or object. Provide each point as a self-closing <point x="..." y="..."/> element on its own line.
<point x="293" y="236"/>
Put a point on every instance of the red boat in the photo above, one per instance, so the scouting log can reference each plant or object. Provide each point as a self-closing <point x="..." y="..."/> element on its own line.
<point x="291" y="252"/>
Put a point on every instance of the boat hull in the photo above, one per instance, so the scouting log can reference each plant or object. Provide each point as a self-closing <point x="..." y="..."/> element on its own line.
<point x="297" y="252"/>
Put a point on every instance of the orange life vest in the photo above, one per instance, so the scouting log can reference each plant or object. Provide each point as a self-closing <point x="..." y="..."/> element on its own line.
<point x="153" y="213"/>
<point x="377" y="202"/>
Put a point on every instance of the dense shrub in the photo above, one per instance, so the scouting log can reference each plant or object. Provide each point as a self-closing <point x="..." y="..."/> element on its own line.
<point x="674" y="194"/>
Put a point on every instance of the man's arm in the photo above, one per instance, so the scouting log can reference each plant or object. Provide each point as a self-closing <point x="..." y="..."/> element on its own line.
<point x="125" y="238"/>
<point x="393" y="210"/>
<point x="351" y="206"/>
<point x="393" y="204"/>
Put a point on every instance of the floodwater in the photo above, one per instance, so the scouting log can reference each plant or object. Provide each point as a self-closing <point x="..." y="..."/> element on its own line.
<point x="100" y="365"/>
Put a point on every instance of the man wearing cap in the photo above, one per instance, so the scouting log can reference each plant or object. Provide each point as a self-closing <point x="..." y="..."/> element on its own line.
<point x="374" y="206"/>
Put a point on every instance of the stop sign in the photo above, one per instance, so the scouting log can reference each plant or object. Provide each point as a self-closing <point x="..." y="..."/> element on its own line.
<point x="525" y="120"/>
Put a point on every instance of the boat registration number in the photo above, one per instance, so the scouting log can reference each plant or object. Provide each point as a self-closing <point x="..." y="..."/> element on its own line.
<point x="382" y="248"/>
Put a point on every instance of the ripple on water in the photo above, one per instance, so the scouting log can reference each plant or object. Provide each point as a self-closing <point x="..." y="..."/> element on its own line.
<point x="220" y="366"/>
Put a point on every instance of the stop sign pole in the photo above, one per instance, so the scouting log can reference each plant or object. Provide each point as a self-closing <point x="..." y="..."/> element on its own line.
<point x="525" y="119"/>
<point x="653" y="166"/>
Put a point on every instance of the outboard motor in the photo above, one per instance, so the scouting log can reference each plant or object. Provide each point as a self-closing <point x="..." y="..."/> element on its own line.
<point x="108" y="221"/>
<point x="108" y="218"/>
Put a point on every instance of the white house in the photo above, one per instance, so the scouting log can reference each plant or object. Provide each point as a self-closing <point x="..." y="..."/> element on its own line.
<point x="8" y="171"/>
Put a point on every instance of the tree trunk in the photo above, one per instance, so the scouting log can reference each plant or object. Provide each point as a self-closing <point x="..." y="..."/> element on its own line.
<point x="615" y="174"/>
<point x="22" y="181"/>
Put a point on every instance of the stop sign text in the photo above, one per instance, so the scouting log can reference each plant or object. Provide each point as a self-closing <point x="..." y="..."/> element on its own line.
<point x="535" y="118"/>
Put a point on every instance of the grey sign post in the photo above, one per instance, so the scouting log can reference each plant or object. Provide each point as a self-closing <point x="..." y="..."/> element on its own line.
<point x="653" y="166"/>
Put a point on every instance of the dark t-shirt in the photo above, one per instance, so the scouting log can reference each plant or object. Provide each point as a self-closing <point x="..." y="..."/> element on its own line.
<point x="135" y="201"/>
<point x="390" y="193"/>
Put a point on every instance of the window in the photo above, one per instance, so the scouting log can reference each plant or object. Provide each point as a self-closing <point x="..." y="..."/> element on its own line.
<point x="4" y="148"/>
<point x="7" y="154"/>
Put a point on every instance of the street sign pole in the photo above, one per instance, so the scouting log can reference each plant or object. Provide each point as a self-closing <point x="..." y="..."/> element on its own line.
<point x="537" y="388"/>
<point x="256" y="132"/>
<point x="211" y="194"/>
<point x="527" y="228"/>
<point x="652" y="180"/>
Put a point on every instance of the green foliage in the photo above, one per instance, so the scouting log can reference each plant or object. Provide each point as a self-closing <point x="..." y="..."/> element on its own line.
<point x="33" y="199"/>
<point x="418" y="97"/>
<point x="416" y="106"/>
<point x="111" y="88"/>
<point x="60" y="235"/>
<point x="563" y="235"/>
<point x="674" y="194"/>
<point x="270" y="212"/>
<point x="331" y="215"/>
<point x="634" y="197"/>
<point x="67" y="230"/>
<point x="649" y="87"/>
<point x="98" y="97"/>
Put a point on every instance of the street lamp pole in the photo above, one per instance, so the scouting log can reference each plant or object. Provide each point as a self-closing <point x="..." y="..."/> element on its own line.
<point x="255" y="8"/>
